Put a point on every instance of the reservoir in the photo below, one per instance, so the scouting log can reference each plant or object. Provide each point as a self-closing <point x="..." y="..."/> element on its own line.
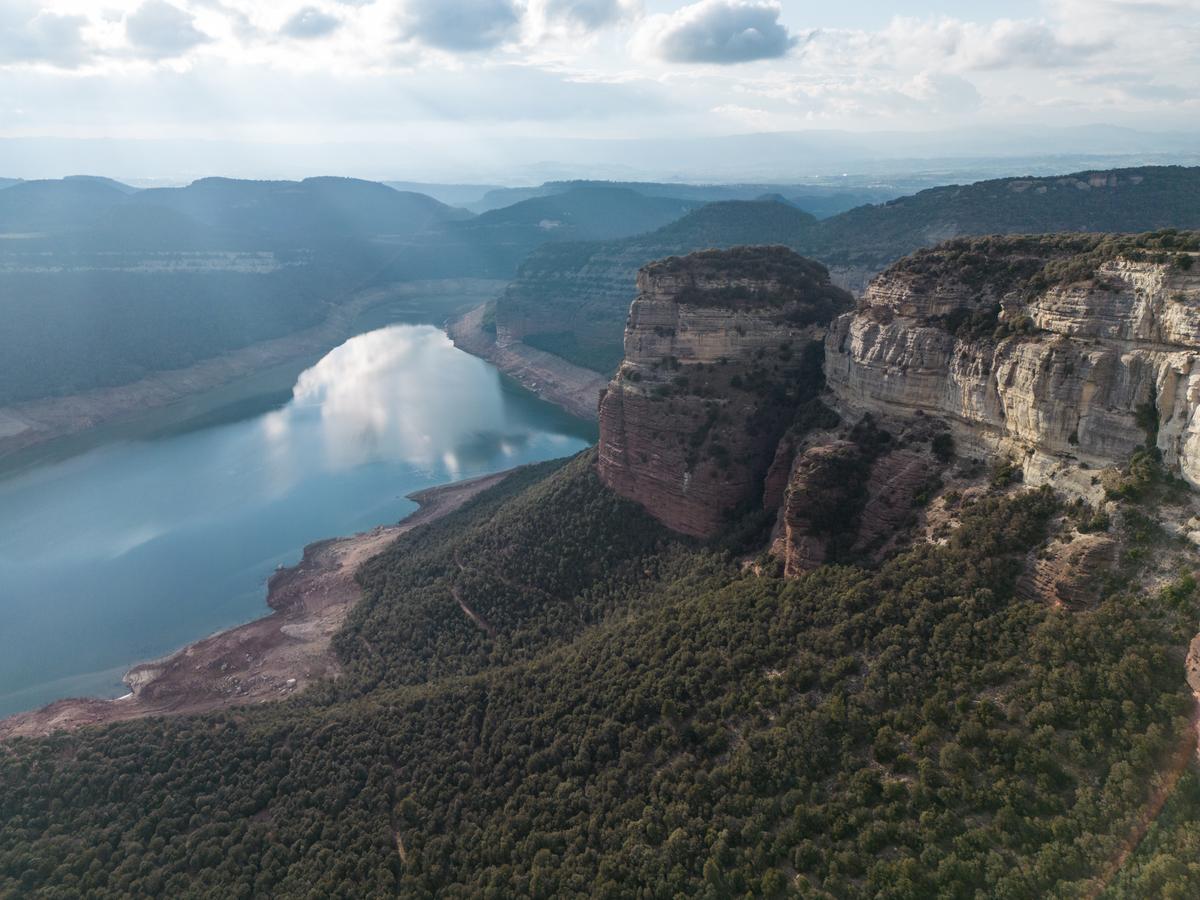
<point x="168" y="529"/>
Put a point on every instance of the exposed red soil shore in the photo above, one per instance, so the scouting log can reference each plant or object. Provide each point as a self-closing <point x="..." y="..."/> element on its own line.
<point x="263" y="660"/>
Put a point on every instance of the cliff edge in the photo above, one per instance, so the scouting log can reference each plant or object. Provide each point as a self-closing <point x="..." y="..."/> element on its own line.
<point x="721" y="349"/>
<point x="1063" y="353"/>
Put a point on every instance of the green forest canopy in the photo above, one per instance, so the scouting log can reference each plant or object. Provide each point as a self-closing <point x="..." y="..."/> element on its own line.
<point x="650" y="713"/>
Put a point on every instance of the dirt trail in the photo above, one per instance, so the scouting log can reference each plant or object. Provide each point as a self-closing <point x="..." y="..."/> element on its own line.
<point x="1185" y="754"/>
<point x="266" y="659"/>
<point x="470" y="613"/>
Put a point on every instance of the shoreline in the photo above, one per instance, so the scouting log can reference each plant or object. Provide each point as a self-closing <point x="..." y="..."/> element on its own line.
<point x="269" y="658"/>
<point x="569" y="387"/>
<point x="30" y="423"/>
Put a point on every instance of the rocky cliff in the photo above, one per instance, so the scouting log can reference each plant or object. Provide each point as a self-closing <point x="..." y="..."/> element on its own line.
<point x="721" y="349"/>
<point x="1060" y="357"/>
<point x="1065" y="354"/>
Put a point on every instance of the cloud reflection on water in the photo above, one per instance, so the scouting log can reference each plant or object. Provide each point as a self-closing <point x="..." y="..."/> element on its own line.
<point x="372" y="399"/>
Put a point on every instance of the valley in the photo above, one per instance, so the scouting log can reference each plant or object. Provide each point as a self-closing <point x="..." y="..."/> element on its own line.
<point x="878" y="592"/>
<point x="488" y="449"/>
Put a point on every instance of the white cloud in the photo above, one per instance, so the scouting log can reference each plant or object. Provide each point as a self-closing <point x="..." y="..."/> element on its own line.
<point x="162" y="30"/>
<point x="460" y="25"/>
<point x="310" y="22"/>
<point x="32" y="35"/>
<point x="952" y="45"/>
<point x="583" y="15"/>
<point x="716" y="31"/>
<point x="791" y="101"/>
<point x="566" y="67"/>
<point x="1002" y="44"/>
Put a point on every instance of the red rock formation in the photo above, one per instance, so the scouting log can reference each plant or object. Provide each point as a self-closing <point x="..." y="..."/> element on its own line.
<point x="893" y="487"/>
<point x="850" y="499"/>
<point x="720" y="349"/>
<point x="822" y="486"/>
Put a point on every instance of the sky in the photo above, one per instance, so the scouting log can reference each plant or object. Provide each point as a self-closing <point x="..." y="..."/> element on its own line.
<point x="456" y="77"/>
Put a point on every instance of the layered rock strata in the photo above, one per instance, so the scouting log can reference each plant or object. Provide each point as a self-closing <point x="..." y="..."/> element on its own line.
<point x="1057" y="371"/>
<point x="721" y="348"/>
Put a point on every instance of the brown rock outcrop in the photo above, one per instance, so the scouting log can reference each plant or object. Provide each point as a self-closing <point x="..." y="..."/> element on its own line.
<point x="895" y="482"/>
<point x="721" y="347"/>
<point x="823" y="496"/>
<point x="1068" y="573"/>
<point x="849" y="500"/>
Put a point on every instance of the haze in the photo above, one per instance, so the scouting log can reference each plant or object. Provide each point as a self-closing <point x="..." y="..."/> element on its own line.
<point x="520" y="90"/>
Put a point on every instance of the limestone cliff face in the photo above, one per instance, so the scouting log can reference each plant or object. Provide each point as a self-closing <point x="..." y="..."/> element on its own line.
<point x="1065" y="354"/>
<point x="721" y="347"/>
<point x="1053" y="370"/>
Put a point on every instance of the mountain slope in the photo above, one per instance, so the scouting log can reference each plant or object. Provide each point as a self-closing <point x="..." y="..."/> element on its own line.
<point x="1122" y="200"/>
<point x="679" y="724"/>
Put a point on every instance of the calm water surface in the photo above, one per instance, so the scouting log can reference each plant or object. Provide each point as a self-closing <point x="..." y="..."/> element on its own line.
<point x="169" y="531"/>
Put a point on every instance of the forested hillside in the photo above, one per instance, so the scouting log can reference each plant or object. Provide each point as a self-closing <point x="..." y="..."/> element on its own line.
<point x="630" y="709"/>
<point x="1119" y="200"/>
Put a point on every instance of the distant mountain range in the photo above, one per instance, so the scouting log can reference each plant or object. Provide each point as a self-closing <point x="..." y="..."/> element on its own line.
<point x="967" y="154"/>
<point x="102" y="283"/>
<point x="261" y="212"/>
<point x="572" y="300"/>
<point x="819" y="199"/>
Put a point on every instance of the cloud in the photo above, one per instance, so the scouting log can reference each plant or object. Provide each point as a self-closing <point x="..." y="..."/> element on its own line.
<point x="30" y="35"/>
<point x="460" y="25"/>
<point x="1007" y="44"/>
<point x="309" y="23"/>
<point x="794" y="99"/>
<point x="965" y="46"/>
<point x="1139" y="86"/>
<point x="717" y="31"/>
<point x="952" y="45"/>
<point x="163" y="30"/>
<point x="937" y="92"/>
<point x="584" y="15"/>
